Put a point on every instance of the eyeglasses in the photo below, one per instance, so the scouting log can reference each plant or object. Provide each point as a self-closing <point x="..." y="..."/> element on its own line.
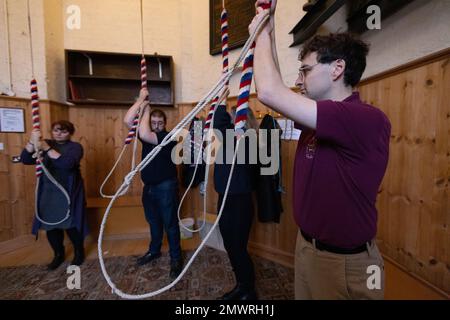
<point x="303" y="71"/>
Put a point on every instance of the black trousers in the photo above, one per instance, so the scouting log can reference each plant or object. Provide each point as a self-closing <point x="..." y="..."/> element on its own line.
<point x="235" y="225"/>
<point x="56" y="239"/>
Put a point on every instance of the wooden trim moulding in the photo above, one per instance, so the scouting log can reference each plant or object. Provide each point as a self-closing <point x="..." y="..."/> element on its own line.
<point x="407" y="66"/>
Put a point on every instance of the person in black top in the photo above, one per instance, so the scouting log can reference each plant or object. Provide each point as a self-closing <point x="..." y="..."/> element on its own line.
<point x="237" y="216"/>
<point x="160" y="194"/>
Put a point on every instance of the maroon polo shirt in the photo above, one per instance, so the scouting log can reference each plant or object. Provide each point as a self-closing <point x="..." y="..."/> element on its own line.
<point x="338" y="170"/>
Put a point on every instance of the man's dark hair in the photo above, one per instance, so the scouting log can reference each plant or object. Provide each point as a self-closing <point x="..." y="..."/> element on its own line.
<point x="343" y="46"/>
<point x="158" y="113"/>
<point x="64" y="125"/>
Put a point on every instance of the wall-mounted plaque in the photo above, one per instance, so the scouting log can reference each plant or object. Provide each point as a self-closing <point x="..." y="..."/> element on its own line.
<point x="240" y="14"/>
<point x="12" y="120"/>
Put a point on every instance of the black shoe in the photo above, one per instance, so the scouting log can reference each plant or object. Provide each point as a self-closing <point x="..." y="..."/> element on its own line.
<point x="231" y="295"/>
<point x="248" y="295"/>
<point x="176" y="268"/>
<point x="146" y="258"/>
<point x="57" y="261"/>
<point x="240" y="292"/>
<point x="78" y="258"/>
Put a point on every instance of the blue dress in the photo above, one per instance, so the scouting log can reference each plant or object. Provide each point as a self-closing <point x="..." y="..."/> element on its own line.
<point x="52" y="204"/>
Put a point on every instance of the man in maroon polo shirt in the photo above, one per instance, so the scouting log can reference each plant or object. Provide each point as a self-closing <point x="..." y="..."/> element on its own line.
<point x="340" y="161"/>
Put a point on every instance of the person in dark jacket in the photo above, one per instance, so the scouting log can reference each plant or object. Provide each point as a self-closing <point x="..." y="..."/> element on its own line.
<point x="61" y="157"/>
<point x="238" y="213"/>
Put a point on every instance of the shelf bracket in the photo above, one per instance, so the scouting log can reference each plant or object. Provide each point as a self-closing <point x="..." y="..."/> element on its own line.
<point x="160" y="68"/>
<point x="91" y="69"/>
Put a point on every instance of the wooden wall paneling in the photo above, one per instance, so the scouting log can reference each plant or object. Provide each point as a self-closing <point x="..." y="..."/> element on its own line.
<point x="22" y="192"/>
<point x="440" y="201"/>
<point x="94" y="154"/>
<point x="17" y="187"/>
<point x="399" y="204"/>
<point x="113" y="142"/>
<point x="80" y="136"/>
<point x="17" y="198"/>
<point x="110" y="146"/>
<point x="426" y="122"/>
<point x="111" y="138"/>
<point x="102" y="161"/>
<point x="413" y="202"/>
<point x="119" y="134"/>
<point x="58" y="111"/>
<point x="6" y="226"/>
<point x="78" y="118"/>
<point x="137" y="183"/>
<point x="289" y="235"/>
<point x="442" y="195"/>
<point x="95" y="127"/>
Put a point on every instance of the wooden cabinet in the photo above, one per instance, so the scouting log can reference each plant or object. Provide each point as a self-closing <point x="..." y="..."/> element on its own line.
<point x="113" y="78"/>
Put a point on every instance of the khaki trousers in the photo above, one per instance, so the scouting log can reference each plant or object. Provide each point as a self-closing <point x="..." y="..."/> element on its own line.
<point x="324" y="275"/>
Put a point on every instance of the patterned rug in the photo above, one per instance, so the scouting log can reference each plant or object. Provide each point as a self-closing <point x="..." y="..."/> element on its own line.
<point x="209" y="277"/>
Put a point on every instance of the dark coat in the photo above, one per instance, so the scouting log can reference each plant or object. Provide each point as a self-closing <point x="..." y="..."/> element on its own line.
<point x="244" y="179"/>
<point x="268" y="187"/>
<point x="68" y="167"/>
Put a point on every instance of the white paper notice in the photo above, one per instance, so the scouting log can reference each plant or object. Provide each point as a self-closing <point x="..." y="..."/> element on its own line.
<point x="289" y="132"/>
<point x="12" y="120"/>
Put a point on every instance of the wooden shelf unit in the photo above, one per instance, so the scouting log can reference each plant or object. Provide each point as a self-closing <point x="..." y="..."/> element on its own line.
<point x="114" y="78"/>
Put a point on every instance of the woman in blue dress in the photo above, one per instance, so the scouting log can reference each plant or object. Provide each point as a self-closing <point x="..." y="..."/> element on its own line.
<point x="61" y="157"/>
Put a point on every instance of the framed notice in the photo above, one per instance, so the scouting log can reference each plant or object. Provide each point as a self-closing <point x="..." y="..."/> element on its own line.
<point x="12" y="120"/>
<point x="240" y="14"/>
